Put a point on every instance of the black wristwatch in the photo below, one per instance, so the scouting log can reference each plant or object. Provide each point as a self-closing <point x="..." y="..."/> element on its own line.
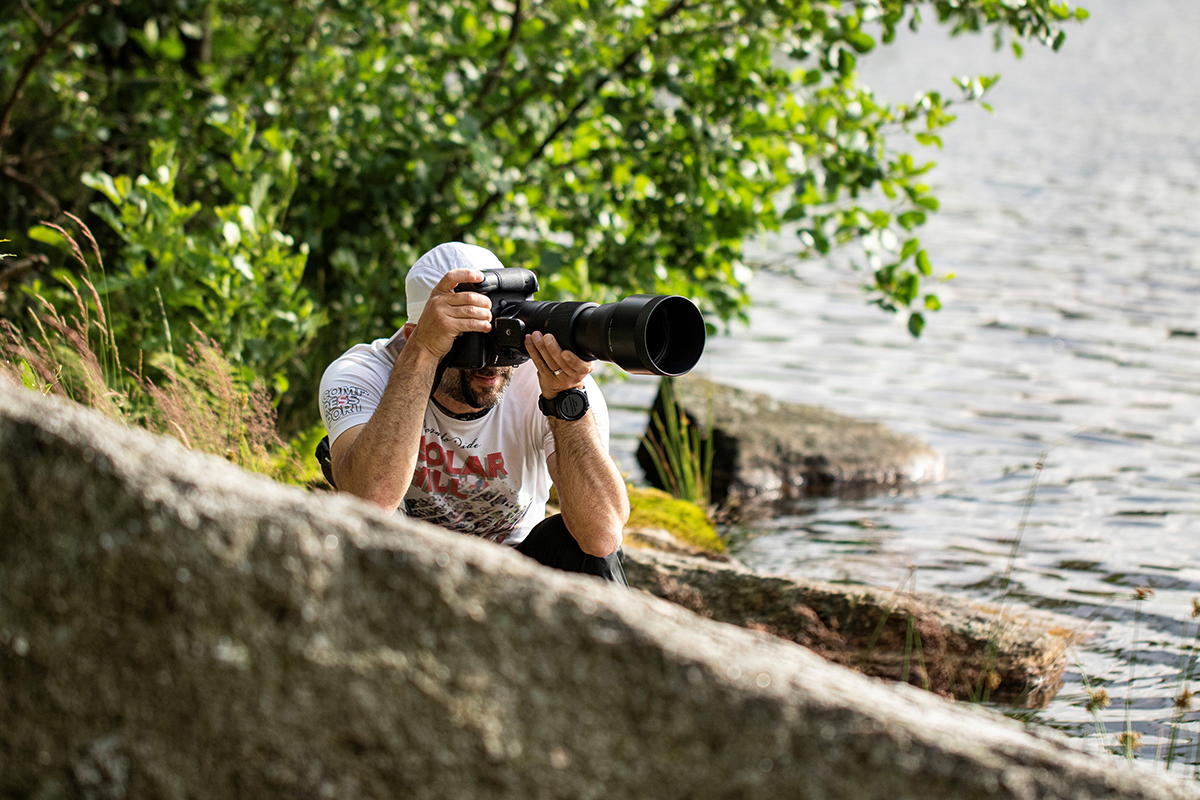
<point x="570" y="404"/>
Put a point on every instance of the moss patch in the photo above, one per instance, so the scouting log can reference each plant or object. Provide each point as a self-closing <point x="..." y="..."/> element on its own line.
<point x="651" y="508"/>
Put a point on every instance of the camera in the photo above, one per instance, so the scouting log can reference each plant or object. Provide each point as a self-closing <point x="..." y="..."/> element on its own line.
<point x="645" y="334"/>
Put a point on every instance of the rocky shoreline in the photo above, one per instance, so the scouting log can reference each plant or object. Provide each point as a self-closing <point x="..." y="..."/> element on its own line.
<point x="171" y="626"/>
<point x="954" y="648"/>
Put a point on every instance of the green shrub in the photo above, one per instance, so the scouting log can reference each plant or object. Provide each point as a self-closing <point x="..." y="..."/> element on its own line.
<point x="228" y="271"/>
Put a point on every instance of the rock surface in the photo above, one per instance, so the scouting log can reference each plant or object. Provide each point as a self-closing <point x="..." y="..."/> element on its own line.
<point x="171" y="627"/>
<point x="956" y="648"/>
<point x="768" y="452"/>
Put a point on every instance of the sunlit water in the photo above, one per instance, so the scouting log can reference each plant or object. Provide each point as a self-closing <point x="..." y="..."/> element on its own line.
<point x="1072" y="220"/>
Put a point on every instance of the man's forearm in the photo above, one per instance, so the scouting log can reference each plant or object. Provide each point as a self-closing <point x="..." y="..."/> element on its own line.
<point x="591" y="491"/>
<point x="379" y="464"/>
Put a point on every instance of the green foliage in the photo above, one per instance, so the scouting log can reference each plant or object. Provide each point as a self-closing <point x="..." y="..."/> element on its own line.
<point x="651" y="508"/>
<point x="617" y="147"/>
<point x="235" y="273"/>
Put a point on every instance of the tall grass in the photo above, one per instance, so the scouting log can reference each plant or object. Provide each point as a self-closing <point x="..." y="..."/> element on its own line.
<point x="200" y="399"/>
<point x="1184" y="694"/>
<point x="682" y="453"/>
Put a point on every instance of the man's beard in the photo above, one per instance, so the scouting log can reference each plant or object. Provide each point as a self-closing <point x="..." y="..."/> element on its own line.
<point x="456" y="384"/>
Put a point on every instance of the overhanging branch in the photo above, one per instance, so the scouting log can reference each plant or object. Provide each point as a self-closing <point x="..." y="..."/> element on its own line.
<point x="32" y="61"/>
<point x="569" y="118"/>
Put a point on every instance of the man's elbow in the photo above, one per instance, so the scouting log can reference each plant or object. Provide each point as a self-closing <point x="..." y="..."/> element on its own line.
<point x="602" y="547"/>
<point x="603" y="540"/>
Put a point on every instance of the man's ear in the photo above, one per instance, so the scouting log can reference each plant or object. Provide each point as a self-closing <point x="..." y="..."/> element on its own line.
<point x="409" y="327"/>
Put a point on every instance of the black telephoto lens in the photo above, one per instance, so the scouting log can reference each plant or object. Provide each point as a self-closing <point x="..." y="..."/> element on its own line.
<point x="643" y="334"/>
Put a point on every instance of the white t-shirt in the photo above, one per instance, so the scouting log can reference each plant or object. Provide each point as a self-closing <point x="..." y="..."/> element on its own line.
<point x="486" y="476"/>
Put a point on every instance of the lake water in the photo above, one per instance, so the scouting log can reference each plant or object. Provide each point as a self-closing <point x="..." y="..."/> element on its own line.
<point x="1071" y="218"/>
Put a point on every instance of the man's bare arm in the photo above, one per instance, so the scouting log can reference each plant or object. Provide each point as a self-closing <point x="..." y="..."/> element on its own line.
<point x="591" y="491"/>
<point x="376" y="461"/>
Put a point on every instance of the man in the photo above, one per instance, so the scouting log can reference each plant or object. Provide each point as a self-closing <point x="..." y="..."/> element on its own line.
<point x="479" y="453"/>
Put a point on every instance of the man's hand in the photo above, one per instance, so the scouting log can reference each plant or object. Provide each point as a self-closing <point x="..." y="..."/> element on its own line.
<point x="448" y="313"/>
<point x="558" y="369"/>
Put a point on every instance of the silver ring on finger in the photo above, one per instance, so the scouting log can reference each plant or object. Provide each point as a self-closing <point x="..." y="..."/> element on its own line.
<point x="556" y="372"/>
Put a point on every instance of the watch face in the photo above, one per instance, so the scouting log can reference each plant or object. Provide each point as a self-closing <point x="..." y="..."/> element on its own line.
<point x="572" y="405"/>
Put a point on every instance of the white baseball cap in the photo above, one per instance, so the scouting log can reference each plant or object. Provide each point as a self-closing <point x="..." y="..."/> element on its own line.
<point x="431" y="267"/>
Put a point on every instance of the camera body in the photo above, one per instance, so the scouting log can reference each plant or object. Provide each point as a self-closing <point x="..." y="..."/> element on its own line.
<point x="645" y="334"/>
<point x="504" y="345"/>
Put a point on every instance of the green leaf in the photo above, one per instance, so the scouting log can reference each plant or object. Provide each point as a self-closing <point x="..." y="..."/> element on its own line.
<point x="932" y="303"/>
<point x="923" y="263"/>
<point x="40" y="233"/>
<point x="916" y="324"/>
<point x="27" y="377"/>
<point x="911" y="246"/>
<point x="103" y="182"/>
<point x="860" y="41"/>
<point x="172" y="47"/>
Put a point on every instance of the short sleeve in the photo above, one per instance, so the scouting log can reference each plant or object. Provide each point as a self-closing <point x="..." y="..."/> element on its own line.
<point x="599" y="411"/>
<point x="352" y="388"/>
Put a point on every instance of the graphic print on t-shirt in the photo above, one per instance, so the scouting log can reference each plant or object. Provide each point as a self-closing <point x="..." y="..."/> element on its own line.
<point x="342" y="401"/>
<point x="456" y="486"/>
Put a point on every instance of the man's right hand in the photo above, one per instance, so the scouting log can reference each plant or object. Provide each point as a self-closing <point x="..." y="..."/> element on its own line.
<point x="448" y="313"/>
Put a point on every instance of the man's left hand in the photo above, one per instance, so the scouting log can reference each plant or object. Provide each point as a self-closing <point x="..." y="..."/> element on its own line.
<point x="558" y="369"/>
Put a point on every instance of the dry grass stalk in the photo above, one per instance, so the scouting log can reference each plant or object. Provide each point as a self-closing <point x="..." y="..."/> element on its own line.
<point x="202" y="401"/>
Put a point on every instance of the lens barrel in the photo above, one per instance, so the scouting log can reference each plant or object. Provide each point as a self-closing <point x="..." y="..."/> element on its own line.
<point x="643" y="334"/>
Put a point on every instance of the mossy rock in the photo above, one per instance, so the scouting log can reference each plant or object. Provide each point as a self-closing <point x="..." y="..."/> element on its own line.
<point x="653" y="508"/>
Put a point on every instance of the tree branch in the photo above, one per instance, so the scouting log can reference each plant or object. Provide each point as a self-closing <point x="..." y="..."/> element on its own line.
<point x="589" y="95"/>
<point x="285" y="76"/>
<point x="15" y="269"/>
<point x="43" y="26"/>
<point x="32" y="61"/>
<point x="492" y="79"/>
<point x="49" y="199"/>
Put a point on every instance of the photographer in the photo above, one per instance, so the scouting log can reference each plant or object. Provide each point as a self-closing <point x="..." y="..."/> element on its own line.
<point x="479" y="453"/>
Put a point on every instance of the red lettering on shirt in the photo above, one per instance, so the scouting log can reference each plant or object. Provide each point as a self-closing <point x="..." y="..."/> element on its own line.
<point x="495" y="465"/>
<point x="450" y="470"/>
<point x="473" y="467"/>
<point x="421" y="450"/>
<point x="454" y="489"/>
<point x="435" y="482"/>
<point x="435" y="451"/>
<point x="419" y="477"/>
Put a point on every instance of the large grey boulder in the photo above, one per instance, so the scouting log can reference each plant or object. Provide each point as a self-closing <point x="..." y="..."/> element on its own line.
<point x="768" y="452"/>
<point x="171" y="627"/>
